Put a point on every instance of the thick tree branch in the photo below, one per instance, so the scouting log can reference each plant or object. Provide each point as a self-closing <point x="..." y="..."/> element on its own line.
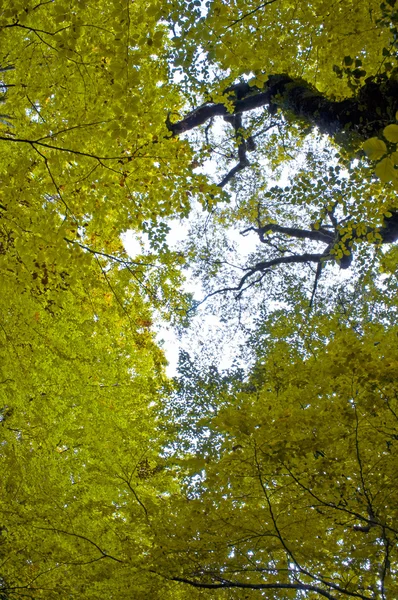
<point x="236" y="121"/>
<point x="350" y="117"/>
<point x="231" y="174"/>
<point x="263" y="267"/>
<point x="388" y="234"/>
<point x="353" y="115"/>
<point x="283" y="260"/>
<point x="320" y="235"/>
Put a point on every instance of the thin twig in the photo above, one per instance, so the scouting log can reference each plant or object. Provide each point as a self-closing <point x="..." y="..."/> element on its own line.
<point x="251" y="12"/>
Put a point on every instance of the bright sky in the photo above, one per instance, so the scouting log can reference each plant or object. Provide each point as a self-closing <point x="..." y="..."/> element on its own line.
<point x="207" y="331"/>
<point x="209" y="328"/>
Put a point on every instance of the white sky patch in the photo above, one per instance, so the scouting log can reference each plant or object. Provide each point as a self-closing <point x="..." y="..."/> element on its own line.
<point x="178" y="232"/>
<point x="137" y="244"/>
<point x="246" y="244"/>
<point x="167" y="339"/>
<point x="210" y="332"/>
<point x="132" y="243"/>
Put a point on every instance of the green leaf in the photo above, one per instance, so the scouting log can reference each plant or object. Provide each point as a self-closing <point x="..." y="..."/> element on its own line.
<point x="385" y="170"/>
<point x="374" y="148"/>
<point x="391" y="133"/>
<point x="358" y="73"/>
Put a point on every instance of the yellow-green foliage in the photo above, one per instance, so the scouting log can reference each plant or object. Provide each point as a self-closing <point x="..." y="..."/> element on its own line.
<point x="299" y="486"/>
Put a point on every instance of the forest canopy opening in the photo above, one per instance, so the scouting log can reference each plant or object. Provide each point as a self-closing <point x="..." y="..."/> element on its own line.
<point x="276" y="476"/>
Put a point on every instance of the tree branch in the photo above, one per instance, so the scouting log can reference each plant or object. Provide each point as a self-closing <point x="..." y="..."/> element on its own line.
<point x="263" y="267"/>
<point x="353" y="115"/>
<point x="82" y="537"/>
<point x="281" y="260"/>
<point x="338" y="507"/>
<point x="236" y="121"/>
<point x="251" y="12"/>
<point x="320" y="235"/>
<point x="256" y="586"/>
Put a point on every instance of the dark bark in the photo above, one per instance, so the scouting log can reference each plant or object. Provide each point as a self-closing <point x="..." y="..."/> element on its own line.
<point x="236" y="122"/>
<point x="285" y="260"/>
<point x="388" y="233"/>
<point x="318" y="235"/>
<point x="364" y="115"/>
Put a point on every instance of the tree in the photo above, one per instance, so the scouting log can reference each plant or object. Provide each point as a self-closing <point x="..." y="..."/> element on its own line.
<point x="92" y="125"/>
<point x="65" y="158"/>
<point x="345" y="90"/>
<point x="299" y="492"/>
<point x="328" y="212"/>
<point x="103" y="496"/>
<point x="81" y="375"/>
<point x="340" y="205"/>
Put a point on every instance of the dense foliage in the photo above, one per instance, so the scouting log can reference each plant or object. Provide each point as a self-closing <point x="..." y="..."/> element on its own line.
<point x="274" y="122"/>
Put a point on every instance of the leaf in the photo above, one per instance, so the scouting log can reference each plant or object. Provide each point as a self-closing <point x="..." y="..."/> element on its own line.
<point x="391" y="133"/>
<point x="374" y="148"/>
<point x="385" y="170"/>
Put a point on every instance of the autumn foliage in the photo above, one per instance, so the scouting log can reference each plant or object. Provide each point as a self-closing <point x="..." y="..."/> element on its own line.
<point x="273" y="478"/>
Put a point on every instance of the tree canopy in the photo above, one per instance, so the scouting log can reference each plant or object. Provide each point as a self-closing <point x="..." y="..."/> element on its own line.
<point x="273" y="123"/>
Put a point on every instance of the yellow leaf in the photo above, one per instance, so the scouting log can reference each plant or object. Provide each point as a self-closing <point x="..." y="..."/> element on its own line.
<point x="374" y="148"/>
<point x="394" y="158"/>
<point x="391" y="133"/>
<point x="385" y="170"/>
